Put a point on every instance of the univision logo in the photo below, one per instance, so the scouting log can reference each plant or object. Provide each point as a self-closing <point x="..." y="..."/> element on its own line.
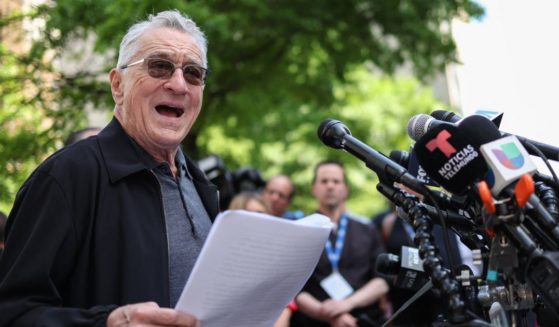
<point x="509" y="155"/>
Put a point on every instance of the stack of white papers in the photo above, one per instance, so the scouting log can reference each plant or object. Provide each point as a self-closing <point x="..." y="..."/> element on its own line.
<point x="251" y="266"/>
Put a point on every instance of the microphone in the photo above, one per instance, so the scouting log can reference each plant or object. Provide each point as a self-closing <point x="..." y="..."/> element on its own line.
<point x="408" y="268"/>
<point x="480" y="129"/>
<point x="409" y="160"/>
<point x="509" y="161"/>
<point x="400" y="157"/>
<point x="551" y="152"/>
<point x="445" y="115"/>
<point x="451" y="117"/>
<point x="420" y="124"/>
<point x="494" y="116"/>
<point x="450" y="153"/>
<point x="335" y="134"/>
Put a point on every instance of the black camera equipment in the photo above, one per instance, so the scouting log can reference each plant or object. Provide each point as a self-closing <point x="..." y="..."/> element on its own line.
<point x="228" y="182"/>
<point x="407" y="268"/>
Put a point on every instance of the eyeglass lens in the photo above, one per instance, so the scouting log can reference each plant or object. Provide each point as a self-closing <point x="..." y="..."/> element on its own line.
<point x="160" y="68"/>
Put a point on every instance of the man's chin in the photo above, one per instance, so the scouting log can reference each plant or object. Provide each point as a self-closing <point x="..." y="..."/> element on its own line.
<point x="171" y="138"/>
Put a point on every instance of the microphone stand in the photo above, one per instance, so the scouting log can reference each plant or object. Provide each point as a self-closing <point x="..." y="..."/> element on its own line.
<point x="432" y="263"/>
<point x="541" y="268"/>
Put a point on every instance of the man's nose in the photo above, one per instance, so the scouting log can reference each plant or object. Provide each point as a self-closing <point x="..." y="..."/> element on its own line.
<point x="177" y="83"/>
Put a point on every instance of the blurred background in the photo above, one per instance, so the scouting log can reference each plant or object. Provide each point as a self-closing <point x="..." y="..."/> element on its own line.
<point x="278" y="69"/>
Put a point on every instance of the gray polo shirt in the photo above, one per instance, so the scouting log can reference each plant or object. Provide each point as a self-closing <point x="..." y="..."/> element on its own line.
<point x="186" y="220"/>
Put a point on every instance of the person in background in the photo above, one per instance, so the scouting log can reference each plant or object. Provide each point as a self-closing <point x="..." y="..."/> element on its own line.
<point x="343" y="289"/>
<point x="278" y="193"/>
<point x="106" y="232"/>
<point x="81" y="134"/>
<point x="250" y="201"/>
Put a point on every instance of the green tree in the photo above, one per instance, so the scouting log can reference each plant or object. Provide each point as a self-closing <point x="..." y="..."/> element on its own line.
<point x="375" y="109"/>
<point x="278" y="67"/>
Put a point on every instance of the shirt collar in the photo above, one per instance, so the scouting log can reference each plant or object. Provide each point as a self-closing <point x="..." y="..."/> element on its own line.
<point x="151" y="163"/>
<point x="180" y="161"/>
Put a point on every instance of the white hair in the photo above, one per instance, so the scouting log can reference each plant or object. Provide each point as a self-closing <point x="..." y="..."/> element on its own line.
<point x="167" y="19"/>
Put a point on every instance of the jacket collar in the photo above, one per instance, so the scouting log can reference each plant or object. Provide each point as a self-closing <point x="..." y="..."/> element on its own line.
<point x="120" y="153"/>
<point x="123" y="157"/>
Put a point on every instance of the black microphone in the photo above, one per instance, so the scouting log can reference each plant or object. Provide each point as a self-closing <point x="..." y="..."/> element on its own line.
<point x="400" y="157"/>
<point x="450" y="153"/>
<point x="445" y="115"/>
<point x="409" y="160"/>
<point x="551" y="152"/>
<point x="408" y="268"/>
<point x="459" y="221"/>
<point x="335" y="134"/>
<point x="479" y="129"/>
<point x="420" y="124"/>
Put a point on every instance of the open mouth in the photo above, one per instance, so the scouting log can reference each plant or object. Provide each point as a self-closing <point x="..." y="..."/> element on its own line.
<point x="169" y="111"/>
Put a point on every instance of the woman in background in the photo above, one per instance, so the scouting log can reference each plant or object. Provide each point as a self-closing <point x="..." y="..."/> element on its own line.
<point x="250" y="201"/>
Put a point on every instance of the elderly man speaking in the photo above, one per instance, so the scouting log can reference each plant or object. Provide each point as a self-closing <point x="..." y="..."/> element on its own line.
<point x="107" y="230"/>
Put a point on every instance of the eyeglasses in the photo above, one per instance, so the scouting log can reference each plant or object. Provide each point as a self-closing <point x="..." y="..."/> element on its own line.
<point x="164" y="69"/>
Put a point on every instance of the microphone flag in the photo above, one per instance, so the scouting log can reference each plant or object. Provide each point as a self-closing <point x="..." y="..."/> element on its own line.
<point x="508" y="161"/>
<point x="450" y="157"/>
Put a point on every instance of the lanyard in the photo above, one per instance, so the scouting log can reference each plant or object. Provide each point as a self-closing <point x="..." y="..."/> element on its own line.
<point x="335" y="252"/>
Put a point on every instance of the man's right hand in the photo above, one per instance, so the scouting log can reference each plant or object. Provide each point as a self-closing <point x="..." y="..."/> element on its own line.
<point x="149" y="313"/>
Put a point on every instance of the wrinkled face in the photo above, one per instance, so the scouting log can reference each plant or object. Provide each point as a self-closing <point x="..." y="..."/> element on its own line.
<point x="330" y="188"/>
<point x="277" y="195"/>
<point x="158" y="113"/>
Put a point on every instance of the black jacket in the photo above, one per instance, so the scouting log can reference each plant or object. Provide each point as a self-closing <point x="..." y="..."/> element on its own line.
<point x="362" y="245"/>
<point x="87" y="234"/>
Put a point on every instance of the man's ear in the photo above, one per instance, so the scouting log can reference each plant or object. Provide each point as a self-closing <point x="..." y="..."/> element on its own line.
<point x="115" y="78"/>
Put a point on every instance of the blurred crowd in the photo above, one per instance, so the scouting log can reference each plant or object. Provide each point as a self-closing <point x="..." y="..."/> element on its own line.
<point x="370" y="297"/>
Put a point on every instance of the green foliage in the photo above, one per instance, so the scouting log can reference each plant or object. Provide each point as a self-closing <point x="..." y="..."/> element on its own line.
<point x="19" y="128"/>
<point x="375" y="109"/>
<point x="279" y="68"/>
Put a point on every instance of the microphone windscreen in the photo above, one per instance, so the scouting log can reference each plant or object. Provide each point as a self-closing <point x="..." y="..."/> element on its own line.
<point x="450" y="157"/>
<point x="417" y="171"/>
<point x="480" y="129"/>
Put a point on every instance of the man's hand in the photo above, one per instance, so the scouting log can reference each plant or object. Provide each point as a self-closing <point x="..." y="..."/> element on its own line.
<point x="344" y="320"/>
<point x="149" y="313"/>
<point x="332" y="308"/>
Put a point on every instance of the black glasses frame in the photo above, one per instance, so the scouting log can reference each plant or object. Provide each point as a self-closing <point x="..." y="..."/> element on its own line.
<point x="191" y="79"/>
